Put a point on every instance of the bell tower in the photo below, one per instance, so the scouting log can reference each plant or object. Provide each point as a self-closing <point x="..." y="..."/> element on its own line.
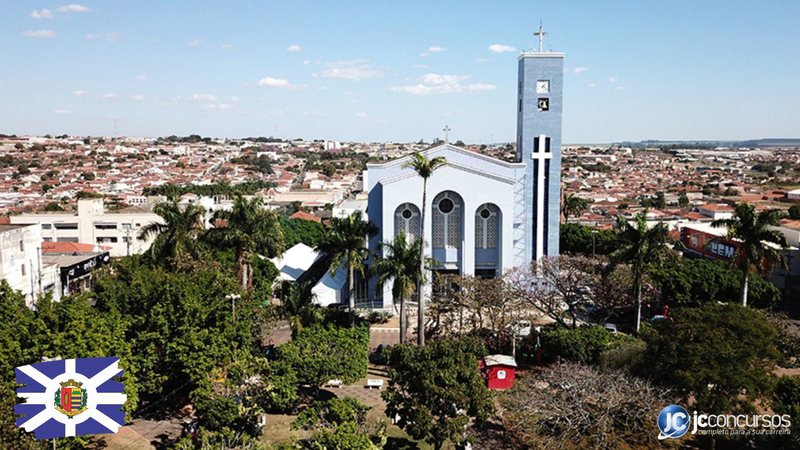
<point x="539" y="104"/>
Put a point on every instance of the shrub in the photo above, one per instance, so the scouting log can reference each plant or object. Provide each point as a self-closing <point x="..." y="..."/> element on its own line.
<point x="583" y="344"/>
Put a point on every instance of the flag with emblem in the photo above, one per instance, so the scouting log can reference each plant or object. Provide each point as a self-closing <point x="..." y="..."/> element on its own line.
<point x="70" y="397"/>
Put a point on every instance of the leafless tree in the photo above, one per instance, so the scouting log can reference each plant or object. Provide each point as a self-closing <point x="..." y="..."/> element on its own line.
<point x="470" y="304"/>
<point x="556" y="285"/>
<point x="574" y="406"/>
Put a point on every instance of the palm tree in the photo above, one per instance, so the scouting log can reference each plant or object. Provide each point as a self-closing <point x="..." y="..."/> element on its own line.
<point x="758" y="248"/>
<point x="401" y="265"/>
<point x="249" y="229"/>
<point x="297" y="305"/>
<point x="175" y="239"/>
<point x="424" y="168"/>
<point x="639" y="246"/>
<point x="346" y="240"/>
<point x="573" y="206"/>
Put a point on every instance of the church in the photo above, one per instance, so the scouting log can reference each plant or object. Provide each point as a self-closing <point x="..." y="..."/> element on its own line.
<point x="483" y="216"/>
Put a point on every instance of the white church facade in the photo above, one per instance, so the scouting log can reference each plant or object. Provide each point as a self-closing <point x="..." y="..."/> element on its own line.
<point x="483" y="216"/>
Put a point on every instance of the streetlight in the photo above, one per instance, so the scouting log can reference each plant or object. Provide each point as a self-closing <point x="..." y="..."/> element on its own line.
<point x="233" y="298"/>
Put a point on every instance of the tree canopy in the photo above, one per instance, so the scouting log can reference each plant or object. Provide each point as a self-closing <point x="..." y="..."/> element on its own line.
<point x="434" y="391"/>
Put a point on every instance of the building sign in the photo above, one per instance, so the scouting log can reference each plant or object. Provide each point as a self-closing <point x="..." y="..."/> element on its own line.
<point x="706" y="244"/>
<point x="721" y="249"/>
<point x="83" y="268"/>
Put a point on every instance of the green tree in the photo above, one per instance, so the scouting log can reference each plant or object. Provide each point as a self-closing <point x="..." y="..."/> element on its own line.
<point x="175" y="240"/>
<point x="299" y="230"/>
<point x="180" y="325"/>
<point x="424" y="168"/>
<point x="320" y="354"/>
<point x="436" y="390"/>
<point x="250" y="230"/>
<point x="720" y="355"/>
<point x="640" y="246"/>
<point x="786" y="400"/>
<point x="346" y="244"/>
<point x="580" y="239"/>
<point x="683" y="200"/>
<point x="53" y="206"/>
<point x="759" y="247"/>
<point x="297" y="305"/>
<point x="694" y="282"/>
<point x="573" y="206"/>
<point x="20" y="344"/>
<point x="401" y="266"/>
<point x="794" y="212"/>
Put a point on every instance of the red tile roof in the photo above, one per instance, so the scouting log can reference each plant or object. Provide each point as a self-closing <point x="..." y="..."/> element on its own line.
<point x="302" y="215"/>
<point x="71" y="247"/>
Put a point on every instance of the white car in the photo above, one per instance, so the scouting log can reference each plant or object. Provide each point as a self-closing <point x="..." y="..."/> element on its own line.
<point x="521" y="328"/>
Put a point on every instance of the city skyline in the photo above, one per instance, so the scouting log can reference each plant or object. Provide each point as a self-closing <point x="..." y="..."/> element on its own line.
<point x="359" y="72"/>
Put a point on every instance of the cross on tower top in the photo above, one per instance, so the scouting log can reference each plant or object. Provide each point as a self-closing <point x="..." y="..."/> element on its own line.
<point x="447" y="131"/>
<point x="541" y="34"/>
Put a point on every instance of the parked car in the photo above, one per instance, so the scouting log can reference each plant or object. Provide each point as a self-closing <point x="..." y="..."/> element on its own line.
<point x="521" y="328"/>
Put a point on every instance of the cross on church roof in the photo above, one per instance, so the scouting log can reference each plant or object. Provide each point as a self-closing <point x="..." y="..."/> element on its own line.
<point x="541" y="34"/>
<point x="447" y="131"/>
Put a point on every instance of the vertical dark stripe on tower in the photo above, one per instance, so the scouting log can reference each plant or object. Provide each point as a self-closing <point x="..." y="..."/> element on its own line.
<point x="546" y="222"/>
<point x="535" y="202"/>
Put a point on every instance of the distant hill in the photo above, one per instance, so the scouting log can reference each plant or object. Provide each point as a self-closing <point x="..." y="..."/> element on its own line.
<point x="752" y="143"/>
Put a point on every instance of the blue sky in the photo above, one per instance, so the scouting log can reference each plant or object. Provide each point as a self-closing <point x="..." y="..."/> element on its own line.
<point x="397" y="71"/>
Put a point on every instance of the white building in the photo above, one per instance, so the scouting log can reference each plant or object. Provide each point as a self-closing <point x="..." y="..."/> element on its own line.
<point x="92" y="224"/>
<point x="716" y="212"/>
<point x="473" y="218"/>
<point x="793" y="195"/>
<point x="20" y="259"/>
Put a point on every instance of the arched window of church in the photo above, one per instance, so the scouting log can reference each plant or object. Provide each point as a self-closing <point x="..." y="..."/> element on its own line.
<point x="486" y="220"/>
<point x="446" y="220"/>
<point x="406" y="220"/>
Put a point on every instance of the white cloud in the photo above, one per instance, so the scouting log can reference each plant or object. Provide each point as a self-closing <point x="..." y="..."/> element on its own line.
<point x="294" y="48"/>
<point x="363" y="115"/>
<point x="113" y="36"/>
<point x="61" y="112"/>
<point x="613" y="80"/>
<point x="204" y="98"/>
<point x="356" y="70"/>
<point x="73" y="8"/>
<point x="235" y="99"/>
<point x="592" y="84"/>
<point x="580" y="70"/>
<point x="218" y="107"/>
<point x="279" y="83"/>
<point x="501" y="48"/>
<point x="433" y="49"/>
<point x="139" y="78"/>
<point x="80" y="93"/>
<point x="43" y="34"/>
<point x="137" y="97"/>
<point x="434" y="83"/>
<point x="196" y="42"/>
<point x="226" y="46"/>
<point x="619" y="88"/>
<point x="110" y="96"/>
<point x="273" y="82"/>
<point x="42" y="14"/>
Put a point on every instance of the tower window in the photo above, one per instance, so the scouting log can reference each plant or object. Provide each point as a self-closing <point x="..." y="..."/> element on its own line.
<point x="543" y="104"/>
